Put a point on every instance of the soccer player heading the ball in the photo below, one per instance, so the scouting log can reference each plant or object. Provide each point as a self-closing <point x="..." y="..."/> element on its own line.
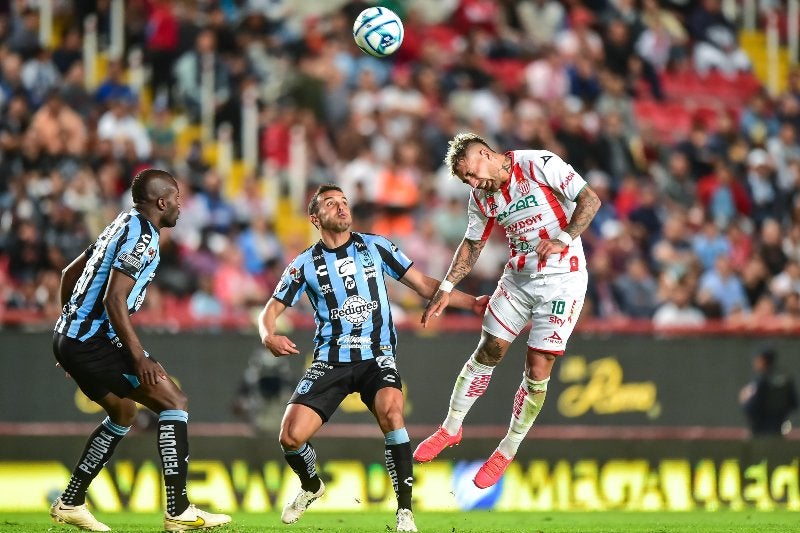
<point x="95" y="343"/>
<point x="355" y="343"/>
<point x="544" y="206"/>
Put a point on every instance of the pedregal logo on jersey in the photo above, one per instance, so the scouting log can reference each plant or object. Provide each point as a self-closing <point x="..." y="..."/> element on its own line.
<point x="355" y="310"/>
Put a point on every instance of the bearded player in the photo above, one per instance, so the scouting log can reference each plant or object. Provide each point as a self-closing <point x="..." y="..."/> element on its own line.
<point x="544" y="206"/>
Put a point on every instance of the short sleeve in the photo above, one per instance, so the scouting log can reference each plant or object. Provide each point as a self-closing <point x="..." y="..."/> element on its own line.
<point x="130" y="258"/>
<point x="393" y="261"/>
<point x="479" y="225"/>
<point x="291" y="285"/>
<point x="559" y="175"/>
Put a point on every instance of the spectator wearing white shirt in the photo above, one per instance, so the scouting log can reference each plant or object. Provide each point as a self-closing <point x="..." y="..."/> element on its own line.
<point x="678" y="312"/>
<point x="119" y="126"/>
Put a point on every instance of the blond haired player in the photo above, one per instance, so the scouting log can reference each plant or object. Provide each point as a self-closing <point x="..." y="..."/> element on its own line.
<point x="544" y="206"/>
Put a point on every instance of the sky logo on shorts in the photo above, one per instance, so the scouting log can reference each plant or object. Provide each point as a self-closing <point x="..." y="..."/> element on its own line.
<point x="304" y="386"/>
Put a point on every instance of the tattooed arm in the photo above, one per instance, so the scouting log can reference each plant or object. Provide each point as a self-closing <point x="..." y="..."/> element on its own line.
<point x="463" y="261"/>
<point x="588" y="204"/>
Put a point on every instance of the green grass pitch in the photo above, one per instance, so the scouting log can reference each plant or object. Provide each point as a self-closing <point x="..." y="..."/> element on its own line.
<point x="455" y="522"/>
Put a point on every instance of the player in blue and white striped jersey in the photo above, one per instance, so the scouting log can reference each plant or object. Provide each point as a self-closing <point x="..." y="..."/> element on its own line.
<point x="355" y="343"/>
<point x="94" y="341"/>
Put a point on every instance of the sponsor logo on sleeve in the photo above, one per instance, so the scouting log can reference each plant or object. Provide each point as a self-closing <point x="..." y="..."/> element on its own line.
<point x="130" y="263"/>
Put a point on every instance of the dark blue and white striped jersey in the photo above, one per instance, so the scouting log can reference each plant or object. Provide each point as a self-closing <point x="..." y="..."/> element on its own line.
<point x="130" y="245"/>
<point x="348" y="292"/>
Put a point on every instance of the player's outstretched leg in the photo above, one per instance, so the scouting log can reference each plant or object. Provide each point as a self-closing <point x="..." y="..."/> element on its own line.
<point x="470" y="385"/>
<point x="70" y="508"/>
<point x="75" y="515"/>
<point x="303" y="462"/>
<point x="528" y="402"/>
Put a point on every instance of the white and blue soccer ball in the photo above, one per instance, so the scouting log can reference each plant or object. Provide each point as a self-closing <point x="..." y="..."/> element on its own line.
<point x="378" y="31"/>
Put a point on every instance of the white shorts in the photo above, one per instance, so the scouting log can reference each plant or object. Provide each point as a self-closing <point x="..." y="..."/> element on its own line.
<point x="551" y="302"/>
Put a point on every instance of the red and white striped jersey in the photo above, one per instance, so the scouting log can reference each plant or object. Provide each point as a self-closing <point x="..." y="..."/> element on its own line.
<point x="536" y="203"/>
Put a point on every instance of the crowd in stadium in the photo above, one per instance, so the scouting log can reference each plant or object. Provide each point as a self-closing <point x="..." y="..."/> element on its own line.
<point x="653" y="101"/>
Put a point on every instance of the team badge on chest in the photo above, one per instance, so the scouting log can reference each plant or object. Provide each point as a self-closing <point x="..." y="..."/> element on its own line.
<point x="523" y="186"/>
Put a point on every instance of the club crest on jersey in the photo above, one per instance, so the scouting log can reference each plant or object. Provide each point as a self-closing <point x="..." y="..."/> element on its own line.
<point x="491" y="203"/>
<point x="294" y="273"/>
<point x="523" y="186"/>
<point x="366" y="258"/>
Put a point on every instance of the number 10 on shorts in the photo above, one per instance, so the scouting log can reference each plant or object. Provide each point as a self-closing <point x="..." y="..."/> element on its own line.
<point x="558" y="307"/>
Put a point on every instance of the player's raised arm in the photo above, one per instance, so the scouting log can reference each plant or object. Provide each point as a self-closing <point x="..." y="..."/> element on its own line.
<point x="463" y="260"/>
<point x="277" y="344"/>
<point x="427" y="286"/>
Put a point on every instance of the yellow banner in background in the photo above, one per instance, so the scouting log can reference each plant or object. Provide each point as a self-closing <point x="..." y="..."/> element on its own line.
<point x="627" y="484"/>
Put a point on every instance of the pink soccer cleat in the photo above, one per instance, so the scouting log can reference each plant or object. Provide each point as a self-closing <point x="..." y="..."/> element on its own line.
<point x="492" y="470"/>
<point x="433" y="445"/>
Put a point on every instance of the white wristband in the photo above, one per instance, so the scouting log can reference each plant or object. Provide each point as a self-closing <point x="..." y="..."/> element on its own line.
<point x="564" y="237"/>
<point x="446" y="286"/>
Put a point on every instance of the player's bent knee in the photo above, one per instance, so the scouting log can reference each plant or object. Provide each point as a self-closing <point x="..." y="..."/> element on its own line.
<point x="290" y="441"/>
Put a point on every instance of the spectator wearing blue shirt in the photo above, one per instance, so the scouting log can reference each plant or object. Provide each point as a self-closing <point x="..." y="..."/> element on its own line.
<point x="725" y="287"/>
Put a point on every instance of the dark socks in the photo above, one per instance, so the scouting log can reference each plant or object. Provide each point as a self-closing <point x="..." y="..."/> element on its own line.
<point x="304" y="463"/>
<point x="98" y="450"/>
<point x="173" y="448"/>
<point x="400" y="466"/>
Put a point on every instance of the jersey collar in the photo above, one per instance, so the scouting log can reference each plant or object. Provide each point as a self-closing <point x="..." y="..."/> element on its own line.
<point x="345" y="245"/>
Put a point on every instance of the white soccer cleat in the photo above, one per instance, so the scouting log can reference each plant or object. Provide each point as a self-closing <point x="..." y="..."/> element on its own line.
<point x="295" y="509"/>
<point x="193" y="518"/>
<point x="76" y="515"/>
<point x="405" y="520"/>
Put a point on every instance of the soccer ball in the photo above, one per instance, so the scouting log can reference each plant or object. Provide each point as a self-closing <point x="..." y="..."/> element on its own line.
<point x="378" y="31"/>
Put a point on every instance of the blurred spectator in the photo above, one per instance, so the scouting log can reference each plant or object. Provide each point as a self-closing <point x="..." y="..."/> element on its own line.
<point x="636" y="290"/>
<point x="769" y="399"/>
<point x="161" y="45"/>
<point x="121" y="127"/>
<point x="771" y="247"/>
<point x="723" y="285"/>
<point x="39" y="75"/>
<point x="715" y="44"/>
<point x="57" y="130"/>
<point x="761" y="186"/>
<point x="113" y="87"/>
<point x="678" y="312"/>
<point x="69" y="51"/>
<point x="188" y="74"/>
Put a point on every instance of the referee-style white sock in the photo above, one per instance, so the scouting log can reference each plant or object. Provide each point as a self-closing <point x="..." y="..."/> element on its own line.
<point x="527" y="403"/>
<point x="470" y="385"/>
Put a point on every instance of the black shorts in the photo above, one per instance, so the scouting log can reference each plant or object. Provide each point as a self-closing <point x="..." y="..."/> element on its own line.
<point x="325" y="385"/>
<point x="98" y="365"/>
